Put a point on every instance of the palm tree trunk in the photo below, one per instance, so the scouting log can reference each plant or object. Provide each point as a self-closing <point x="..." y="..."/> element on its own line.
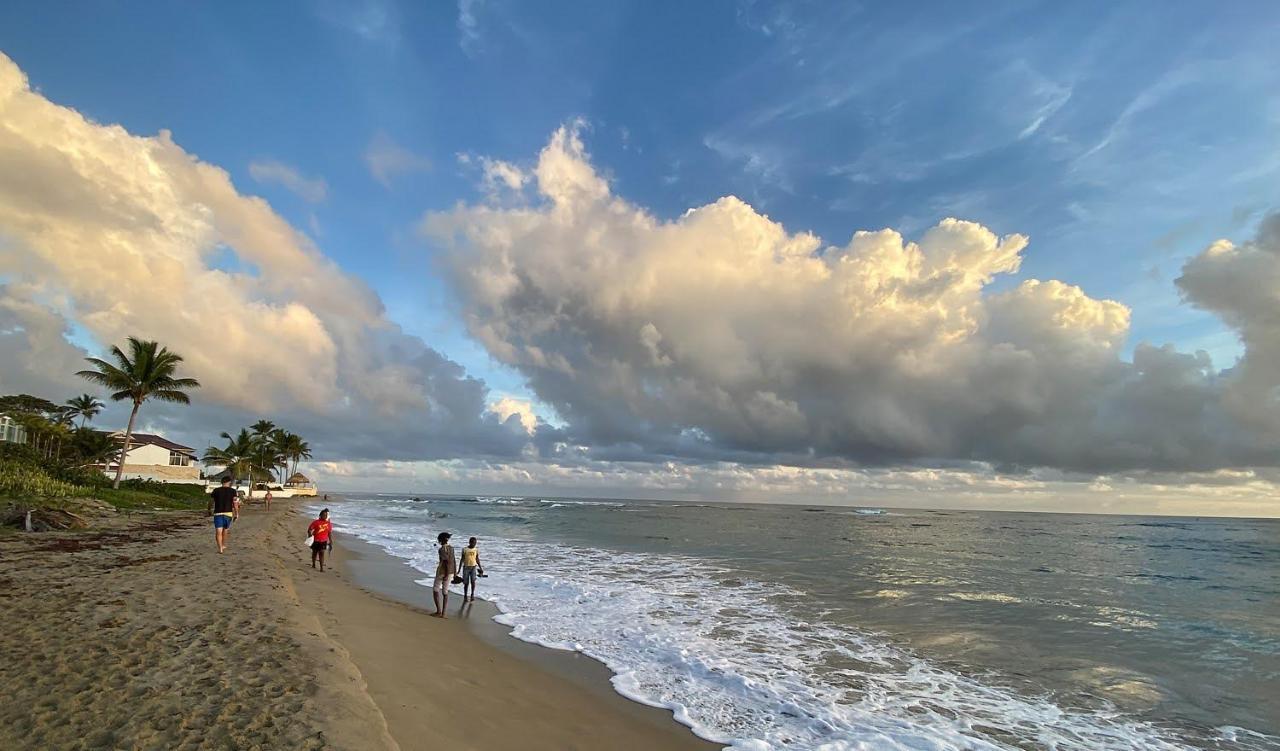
<point x="124" y="450"/>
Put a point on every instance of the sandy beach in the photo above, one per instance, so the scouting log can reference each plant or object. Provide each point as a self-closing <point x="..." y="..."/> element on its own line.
<point x="138" y="635"/>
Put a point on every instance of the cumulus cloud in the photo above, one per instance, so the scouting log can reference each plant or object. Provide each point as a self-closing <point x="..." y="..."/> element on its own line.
<point x="722" y="334"/>
<point x="129" y="235"/>
<point x="387" y="160"/>
<point x="312" y="190"/>
<point x="521" y="410"/>
<point x="1228" y="493"/>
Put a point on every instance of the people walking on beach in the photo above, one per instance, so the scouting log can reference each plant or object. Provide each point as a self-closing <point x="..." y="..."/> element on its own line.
<point x="267" y="499"/>
<point x="222" y="505"/>
<point x="321" y="534"/>
<point x="446" y="569"/>
<point x="470" y="568"/>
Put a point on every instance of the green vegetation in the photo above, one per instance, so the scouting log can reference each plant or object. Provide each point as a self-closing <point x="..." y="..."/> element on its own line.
<point x="259" y="452"/>
<point x="60" y="462"/>
<point x="21" y="481"/>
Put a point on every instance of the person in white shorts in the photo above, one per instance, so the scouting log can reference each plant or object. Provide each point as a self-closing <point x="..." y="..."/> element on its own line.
<point x="446" y="569"/>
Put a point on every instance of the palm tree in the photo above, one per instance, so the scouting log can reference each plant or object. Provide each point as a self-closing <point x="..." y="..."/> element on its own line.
<point x="147" y="372"/>
<point x="90" y="447"/>
<point x="238" y="456"/>
<point x="85" y="406"/>
<point x="296" y="449"/>
<point x="264" y="432"/>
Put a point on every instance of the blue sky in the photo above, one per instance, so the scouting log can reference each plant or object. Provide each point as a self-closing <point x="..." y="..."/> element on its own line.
<point x="1122" y="138"/>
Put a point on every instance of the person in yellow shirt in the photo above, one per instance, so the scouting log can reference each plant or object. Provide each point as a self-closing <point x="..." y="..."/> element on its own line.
<point x="470" y="567"/>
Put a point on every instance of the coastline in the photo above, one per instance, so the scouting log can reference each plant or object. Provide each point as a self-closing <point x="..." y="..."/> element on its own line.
<point x="138" y="634"/>
<point x="421" y="671"/>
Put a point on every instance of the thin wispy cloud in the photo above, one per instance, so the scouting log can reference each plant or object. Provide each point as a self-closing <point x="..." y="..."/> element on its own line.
<point x="388" y="160"/>
<point x="469" y="26"/>
<point x="273" y="172"/>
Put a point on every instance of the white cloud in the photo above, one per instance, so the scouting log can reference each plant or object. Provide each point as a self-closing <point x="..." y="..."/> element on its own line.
<point x="387" y="159"/>
<point x="312" y="190"/>
<point x="129" y="235"/>
<point x="720" y="333"/>
<point x="969" y="487"/>
<point x="469" y="26"/>
<point x="522" y="409"/>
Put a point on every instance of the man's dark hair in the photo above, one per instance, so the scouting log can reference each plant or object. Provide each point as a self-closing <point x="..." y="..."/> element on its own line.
<point x="443" y="537"/>
<point x="324" y="511"/>
<point x="226" y="481"/>
<point x="472" y="541"/>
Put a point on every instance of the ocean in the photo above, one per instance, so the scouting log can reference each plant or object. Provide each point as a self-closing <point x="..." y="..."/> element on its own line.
<point x="786" y="627"/>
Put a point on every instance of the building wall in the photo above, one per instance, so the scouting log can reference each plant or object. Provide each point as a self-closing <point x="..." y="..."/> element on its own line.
<point x="159" y="473"/>
<point x="147" y="455"/>
<point x="151" y="462"/>
<point x="11" y="431"/>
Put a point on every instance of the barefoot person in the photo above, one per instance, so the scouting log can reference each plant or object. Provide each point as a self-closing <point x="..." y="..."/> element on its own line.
<point x="470" y="567"/>
<point x="267" y="498"/>
<point x="222" y="505"/>
<point x="446" y="569"/>
<point x="321" y="534"/>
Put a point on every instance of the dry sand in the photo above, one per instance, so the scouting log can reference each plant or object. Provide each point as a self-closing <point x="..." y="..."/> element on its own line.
<point x="141" y="636"/>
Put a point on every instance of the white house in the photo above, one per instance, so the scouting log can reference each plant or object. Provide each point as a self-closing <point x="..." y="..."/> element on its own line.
<point x="152" y="457"/>
<point x="11" y="431"/>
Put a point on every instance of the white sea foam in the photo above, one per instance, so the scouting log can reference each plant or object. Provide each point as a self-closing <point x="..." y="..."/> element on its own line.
<point x="724" y="655"/>
<point x="563" y="503"/>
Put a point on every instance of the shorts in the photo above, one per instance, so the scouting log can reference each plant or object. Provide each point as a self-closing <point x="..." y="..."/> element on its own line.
<point x="319" y="546"/>
<point x="469" y="575"/>
<point x="221" y="521"/>
<point x="441" y="584"/>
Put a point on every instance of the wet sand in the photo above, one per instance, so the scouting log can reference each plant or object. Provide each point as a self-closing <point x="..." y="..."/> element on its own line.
<point x="141" y="635"/>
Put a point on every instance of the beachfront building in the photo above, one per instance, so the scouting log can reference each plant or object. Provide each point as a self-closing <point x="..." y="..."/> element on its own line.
<point x="153" y="457"/>
<point x="11" y="431"/>
<point x="300" y="484"/>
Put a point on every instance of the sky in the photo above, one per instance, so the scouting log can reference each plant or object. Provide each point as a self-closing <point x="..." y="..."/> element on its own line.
<point x="997" y="255"/>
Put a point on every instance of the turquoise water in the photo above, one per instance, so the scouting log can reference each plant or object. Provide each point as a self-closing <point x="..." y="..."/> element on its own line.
<point x="764" y="626"/>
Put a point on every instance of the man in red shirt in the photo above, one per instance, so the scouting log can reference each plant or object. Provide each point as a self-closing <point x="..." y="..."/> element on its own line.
<point x="321" y="533"/>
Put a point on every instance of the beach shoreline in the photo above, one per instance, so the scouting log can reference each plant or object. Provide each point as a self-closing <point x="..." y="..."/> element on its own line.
<point x="138" y="634"/>
<point x="547" y="698"/>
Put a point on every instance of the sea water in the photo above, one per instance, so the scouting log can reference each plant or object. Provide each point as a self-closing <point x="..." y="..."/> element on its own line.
<point x="784" y="627"/>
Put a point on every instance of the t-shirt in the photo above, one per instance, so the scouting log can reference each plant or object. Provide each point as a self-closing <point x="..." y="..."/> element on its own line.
<point x="319" y="530"/>
<point x="446" y="554"/>
<point x="469" y="556"/>
<point x="224" y="500"/>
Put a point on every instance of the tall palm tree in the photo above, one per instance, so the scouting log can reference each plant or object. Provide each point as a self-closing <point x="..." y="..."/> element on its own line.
<point x="147" y="372"/>
<point x="238" y="456"/>
<point x="296" y="450"/>
<point x="85" y="406"/>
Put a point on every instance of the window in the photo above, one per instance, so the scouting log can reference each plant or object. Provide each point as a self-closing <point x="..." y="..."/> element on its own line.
<point x="179" y="459"/>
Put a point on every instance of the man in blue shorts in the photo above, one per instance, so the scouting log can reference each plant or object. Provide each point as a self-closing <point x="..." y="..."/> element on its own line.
<point x="222" y="504"/>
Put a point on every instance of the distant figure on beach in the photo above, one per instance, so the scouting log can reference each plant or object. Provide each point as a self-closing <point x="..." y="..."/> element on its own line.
<point x="321" y="534"/>
<point x="267" y="498"/>
<point x="222" y="505"/>
<point x="470" y="567"/>
<point x="446" y="569"/>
